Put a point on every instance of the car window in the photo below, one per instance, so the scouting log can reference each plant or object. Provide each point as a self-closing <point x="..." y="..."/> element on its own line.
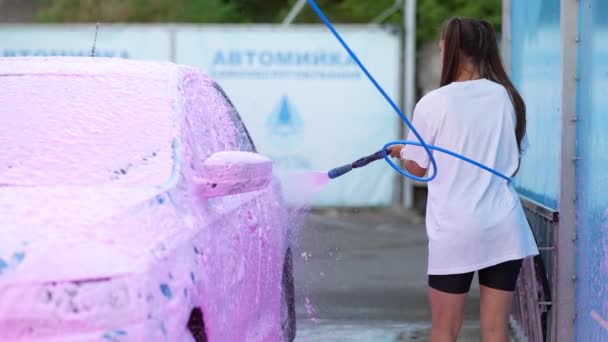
<point x="244" y="143"/>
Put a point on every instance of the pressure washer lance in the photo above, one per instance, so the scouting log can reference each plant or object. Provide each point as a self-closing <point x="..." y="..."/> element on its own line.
<point x="339" y="171"/>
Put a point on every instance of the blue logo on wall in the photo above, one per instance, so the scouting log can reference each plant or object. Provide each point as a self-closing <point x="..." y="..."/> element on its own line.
<point x="284" y="121"/>
<point x="285" y="124"/>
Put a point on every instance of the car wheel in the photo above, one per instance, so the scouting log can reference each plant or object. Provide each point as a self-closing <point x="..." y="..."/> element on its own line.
<point x="196" y="325"/>
<point x="288" y="309"/>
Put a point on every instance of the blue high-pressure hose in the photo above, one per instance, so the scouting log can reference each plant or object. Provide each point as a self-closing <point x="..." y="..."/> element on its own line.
<point x="364" y="161"/>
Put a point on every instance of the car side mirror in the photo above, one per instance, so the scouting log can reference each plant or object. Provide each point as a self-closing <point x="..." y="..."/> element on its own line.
<point x="233" y="172"/>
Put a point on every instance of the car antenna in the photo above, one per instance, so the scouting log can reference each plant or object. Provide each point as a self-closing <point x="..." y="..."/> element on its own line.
<point x="95" y="40"/>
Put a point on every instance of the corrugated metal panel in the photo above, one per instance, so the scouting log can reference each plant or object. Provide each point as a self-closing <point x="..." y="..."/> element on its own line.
<point x="535" y="69"/>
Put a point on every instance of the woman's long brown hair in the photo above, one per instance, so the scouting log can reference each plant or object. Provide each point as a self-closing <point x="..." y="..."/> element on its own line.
<point x="475" y="41"/>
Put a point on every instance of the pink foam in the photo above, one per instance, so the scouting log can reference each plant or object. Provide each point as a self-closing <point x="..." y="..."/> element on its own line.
<point x="102" y="234"/>
<point x="601" y="321"/>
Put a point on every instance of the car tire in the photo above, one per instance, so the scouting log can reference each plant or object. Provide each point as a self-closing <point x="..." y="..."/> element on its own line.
<point x="288" y="301"/>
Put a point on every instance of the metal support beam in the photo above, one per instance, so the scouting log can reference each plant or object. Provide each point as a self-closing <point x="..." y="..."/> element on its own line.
<point x="409" y="27"/>
<point x="506" y="35"/>
<point x="293" y="13"/>
<point x="173" y="43"/>
<point x="566" y="232"/>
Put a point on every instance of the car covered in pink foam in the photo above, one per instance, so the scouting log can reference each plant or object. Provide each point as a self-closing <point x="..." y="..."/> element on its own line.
<point x="134" y="207"/>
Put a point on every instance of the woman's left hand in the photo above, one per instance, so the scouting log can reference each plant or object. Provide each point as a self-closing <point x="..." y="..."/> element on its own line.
<point x="395" y="150"/>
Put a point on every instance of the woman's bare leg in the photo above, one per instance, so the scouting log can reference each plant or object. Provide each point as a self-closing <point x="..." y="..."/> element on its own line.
<point x="447" y="314"/>
<point x="495" y="308"/>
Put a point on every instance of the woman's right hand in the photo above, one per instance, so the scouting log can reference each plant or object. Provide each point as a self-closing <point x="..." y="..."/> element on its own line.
<point x="395" y="150"/>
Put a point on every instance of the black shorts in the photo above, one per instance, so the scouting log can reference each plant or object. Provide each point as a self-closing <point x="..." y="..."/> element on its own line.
<point x="500" y="277"/>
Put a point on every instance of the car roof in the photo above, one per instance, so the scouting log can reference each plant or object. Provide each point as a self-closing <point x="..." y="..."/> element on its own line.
<point x="86" y="66"/>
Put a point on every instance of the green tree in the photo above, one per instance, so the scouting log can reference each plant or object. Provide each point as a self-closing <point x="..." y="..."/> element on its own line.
<point x="429" y="15"/>
<point x="213" y="11"/>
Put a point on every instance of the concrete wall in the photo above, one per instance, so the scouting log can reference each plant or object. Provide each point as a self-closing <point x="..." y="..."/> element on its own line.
<point x="428" y="69"/>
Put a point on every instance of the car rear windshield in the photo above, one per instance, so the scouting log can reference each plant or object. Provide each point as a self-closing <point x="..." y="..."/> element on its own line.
<point x="85" y="130"/>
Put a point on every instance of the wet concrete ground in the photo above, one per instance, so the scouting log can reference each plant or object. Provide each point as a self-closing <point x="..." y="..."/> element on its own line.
<point x="361" y="276"/>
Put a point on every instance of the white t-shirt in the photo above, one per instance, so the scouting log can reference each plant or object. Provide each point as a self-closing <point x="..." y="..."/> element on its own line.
<point x="474" y="218"/>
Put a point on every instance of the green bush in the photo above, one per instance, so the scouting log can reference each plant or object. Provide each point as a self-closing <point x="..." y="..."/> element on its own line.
<point x="430" y="13"/>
